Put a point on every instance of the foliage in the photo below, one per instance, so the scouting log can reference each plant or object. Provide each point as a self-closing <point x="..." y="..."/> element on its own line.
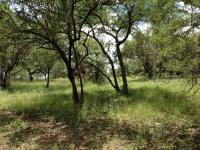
<point x="97" y="59"/>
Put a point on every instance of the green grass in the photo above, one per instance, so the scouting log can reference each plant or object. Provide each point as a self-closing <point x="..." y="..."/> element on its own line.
<point x="155" y="115"/>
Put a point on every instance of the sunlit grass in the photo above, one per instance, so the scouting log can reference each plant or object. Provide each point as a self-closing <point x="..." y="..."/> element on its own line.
<point x="33" y="99"/>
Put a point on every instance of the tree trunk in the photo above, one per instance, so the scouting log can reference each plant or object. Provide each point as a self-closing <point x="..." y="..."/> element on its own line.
<point x="82" y="91"/>
<point x="71" y="77"/>
<point x="154" y="63"/>
<point x="115" y="77"/>
<point x="48" y="77"/>
<point x="107" y="77"/>
<point x="77" y="101"/>
<point x="116" y="85"/>
<point x="45" y="76"/>
<point x="30" y="76"/>
<point x="148" y="68"/>
<point x="123" y="71"/>
<point x="4" y="83"/>
<point x="160" y="70"/>
<point x="96" y="76"/>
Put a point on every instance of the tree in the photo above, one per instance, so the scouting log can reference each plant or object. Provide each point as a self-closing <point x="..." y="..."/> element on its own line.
<point x="10" y="55"/>
<point x="11" y="50"/>
<point x="46" y="63"/>
<point x="57" y="25"/>
<point x="39" y="61"/>
<point x="118" y="25"/>
<point x="31" y="63"/>
<point x="140" y="49"/>
<point x="154" y="46"/>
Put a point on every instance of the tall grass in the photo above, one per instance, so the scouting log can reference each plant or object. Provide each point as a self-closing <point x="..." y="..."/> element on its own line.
<point x="34" y="99"/>
<point x="146" y="99"/>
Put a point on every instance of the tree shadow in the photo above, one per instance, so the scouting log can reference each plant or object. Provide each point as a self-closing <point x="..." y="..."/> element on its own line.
<point x="176" y="108"/>
<point x="102" y="133"/>
<point x="156" y="97"/>
<point x="5" y="118"/>
<point x="95" y="134"/>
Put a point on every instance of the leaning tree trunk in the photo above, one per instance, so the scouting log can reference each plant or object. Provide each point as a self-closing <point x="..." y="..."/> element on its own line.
<point x="116" y="85"/>
<point x="123" y="71"/>
<point x="115" y="77"/>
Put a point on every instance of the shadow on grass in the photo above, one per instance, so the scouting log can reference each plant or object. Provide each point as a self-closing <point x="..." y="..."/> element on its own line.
<point x="158" y="98"/>
<point x="95" y="134"/>
<point x="5" y="118"/>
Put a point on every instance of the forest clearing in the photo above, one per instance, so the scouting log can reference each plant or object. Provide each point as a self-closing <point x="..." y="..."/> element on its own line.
<point x="100" y="74"/>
